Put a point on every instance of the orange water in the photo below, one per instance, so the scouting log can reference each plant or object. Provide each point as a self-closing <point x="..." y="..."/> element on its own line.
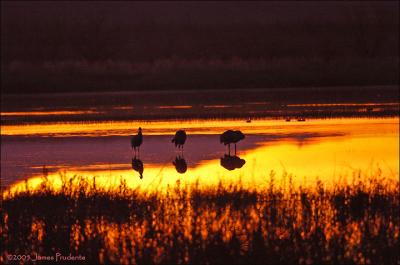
<point x="332" y="150"/>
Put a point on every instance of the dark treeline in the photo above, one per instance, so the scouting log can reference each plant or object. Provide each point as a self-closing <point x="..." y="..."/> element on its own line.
<point x="363" y="33"/>
<point x="49" y="54"/>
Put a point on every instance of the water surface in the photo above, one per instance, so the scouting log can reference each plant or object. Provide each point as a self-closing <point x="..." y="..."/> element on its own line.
<point x="330" y="150"/>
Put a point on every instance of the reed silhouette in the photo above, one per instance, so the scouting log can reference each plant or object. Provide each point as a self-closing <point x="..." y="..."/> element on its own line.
<point x="232" y="162"/>
<point x="136" y="141"/>
<point x="231" y="137"/>
<point x="180" y="164"/>
<point x="352" y="223"/>
<point x="137" y="165"/>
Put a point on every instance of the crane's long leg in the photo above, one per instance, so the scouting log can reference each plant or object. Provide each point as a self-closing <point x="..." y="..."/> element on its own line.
<point x="235" y="148"/>
<point x="229" y="149"/>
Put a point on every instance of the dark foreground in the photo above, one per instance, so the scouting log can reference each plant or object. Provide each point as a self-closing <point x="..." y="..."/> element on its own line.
<point x="347" y="224"/>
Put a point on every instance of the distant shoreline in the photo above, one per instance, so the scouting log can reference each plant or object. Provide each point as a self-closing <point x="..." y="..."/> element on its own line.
<point x="187" y="91"/>
<point x="311" y="102"/>
<point x="199" y="75"/>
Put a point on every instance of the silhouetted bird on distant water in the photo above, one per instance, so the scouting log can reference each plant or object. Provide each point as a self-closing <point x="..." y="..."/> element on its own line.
<point x="137" y="165"/>
<point x="231" y="137"/>
<point x="179" y="138"/>
<point x="136" y="140"/>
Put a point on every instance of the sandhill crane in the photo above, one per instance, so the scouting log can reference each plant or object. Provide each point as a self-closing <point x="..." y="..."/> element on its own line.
<point x="136" y="140"/>
<point x="137" y="165"/>
<point x="179" y="139"/>
<point x="180" y="164"/>
<point x="231" y="137"/>
<point x="232" y="162"/>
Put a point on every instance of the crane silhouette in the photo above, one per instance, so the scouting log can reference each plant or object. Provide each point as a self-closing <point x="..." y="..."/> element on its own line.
<point x="179" y="139"/>
<point x="231" y="137"/>
<point x="136" y="140"/>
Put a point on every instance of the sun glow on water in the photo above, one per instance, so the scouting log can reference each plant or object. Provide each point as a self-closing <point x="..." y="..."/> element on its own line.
<point x="332" y="160"/>
<point x="262" y="126"/>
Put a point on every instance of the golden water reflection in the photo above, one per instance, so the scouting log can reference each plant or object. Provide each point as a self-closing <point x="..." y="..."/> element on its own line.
<point x="262" y="126"/>
<point x="45" y="113"/>
<point x="331" y="159"/>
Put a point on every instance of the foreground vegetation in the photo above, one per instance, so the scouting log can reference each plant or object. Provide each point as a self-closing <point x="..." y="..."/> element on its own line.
<point x="356" y="223"/>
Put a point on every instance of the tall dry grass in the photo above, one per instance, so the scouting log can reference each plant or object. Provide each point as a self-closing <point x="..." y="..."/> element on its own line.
<point x="356" y="223"/>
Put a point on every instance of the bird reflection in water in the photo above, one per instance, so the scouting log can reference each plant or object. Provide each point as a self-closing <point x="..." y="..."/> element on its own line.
<point x="232" y="162"/>
<point x="137" y="165"/>
<point x="180" y="164"/>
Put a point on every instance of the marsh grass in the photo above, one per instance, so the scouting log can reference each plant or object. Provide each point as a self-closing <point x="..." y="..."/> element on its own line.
<point x="356" y="223"/>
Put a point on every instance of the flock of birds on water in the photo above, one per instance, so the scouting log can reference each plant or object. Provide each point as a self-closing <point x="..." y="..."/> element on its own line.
<point x="227" y="138"/>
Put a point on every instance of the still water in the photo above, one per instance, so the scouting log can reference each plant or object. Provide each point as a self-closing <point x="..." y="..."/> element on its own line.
<point x="329" y="150"/>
